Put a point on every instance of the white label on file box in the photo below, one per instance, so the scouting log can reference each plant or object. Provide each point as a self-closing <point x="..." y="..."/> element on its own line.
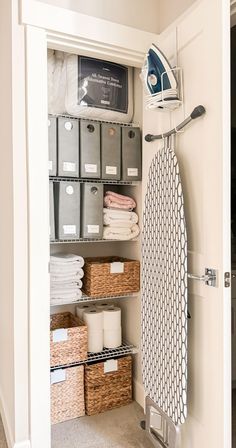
<point x="60" y="335"/>
<point x="111" y="169"/>
<point x="57" y="376"/>
<point x="132" y="171"/>
<point x="116" y="267"/>
<point x="69" y="230"/>
<point x="90" y="168"/>
<point x="111" y="365"/>
<point x="50" y="165"/>
<point x="69" y="166"/>
<point x="93" y="228"/>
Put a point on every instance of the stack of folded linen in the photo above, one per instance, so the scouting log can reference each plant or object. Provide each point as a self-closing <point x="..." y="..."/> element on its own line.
<point x="120" y="222"/>
<point x="65" y="274"/>
<point x="115" y="200"/>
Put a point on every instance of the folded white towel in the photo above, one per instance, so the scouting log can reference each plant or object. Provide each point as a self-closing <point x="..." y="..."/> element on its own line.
<point x="117" y="223"/>
<point x="54" y="302"/>
<point x="66" y="285"/>
<point x="114" y="215"/>
<point x="122" y="234"/>
<point x="58" y="284"/>
<point x="66" y="295"/>
<point x="66" y="270"/>
<point x="67" y="259"/>
<point x="61" y="277"/>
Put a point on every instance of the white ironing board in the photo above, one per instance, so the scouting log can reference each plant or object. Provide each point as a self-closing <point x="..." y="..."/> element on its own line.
<point x="164" y="289"/>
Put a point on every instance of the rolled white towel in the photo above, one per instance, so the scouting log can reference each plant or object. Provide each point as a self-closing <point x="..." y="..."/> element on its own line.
<point x="67" y="259"/>
<point x="122" y="234"/>
<point x="115" y="216"/>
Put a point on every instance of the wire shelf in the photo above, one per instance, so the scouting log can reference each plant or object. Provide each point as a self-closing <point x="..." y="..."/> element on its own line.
<point x="120" y="123"/>
<point x="89" y="240"/>
<point x="94" y="181"/>
<point x="107" y="353"/>
<point x="85" y="299"/>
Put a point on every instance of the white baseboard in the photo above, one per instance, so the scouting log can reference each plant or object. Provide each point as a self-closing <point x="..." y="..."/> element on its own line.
<point x="139" y="394"/>
<point x="25" y="444"/>
<point x="8" y="429"/>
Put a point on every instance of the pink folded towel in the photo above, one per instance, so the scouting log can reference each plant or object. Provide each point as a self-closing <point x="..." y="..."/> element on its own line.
<point x="115" y="200"/>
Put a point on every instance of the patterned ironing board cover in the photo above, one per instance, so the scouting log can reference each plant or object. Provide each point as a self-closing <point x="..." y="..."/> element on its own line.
<point x="164" y="288"/>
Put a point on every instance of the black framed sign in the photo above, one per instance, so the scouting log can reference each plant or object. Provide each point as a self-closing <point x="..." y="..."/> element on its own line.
<point x="102" y="84"/>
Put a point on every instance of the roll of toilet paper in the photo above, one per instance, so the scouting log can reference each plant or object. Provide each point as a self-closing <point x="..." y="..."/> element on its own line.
<point x="104" y="305"/>
<point x="112" y="318"/>
<point x="95" y="341"/>
<point x="112" y="338"/>
<point x="93" y="319"/>
<point x="80" y="309"/>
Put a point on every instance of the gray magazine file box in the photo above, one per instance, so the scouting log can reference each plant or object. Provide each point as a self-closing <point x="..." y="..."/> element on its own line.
<point x="52" y="145"/>
<point x="111" y="151"/>
<point x="90" y="149"/>
<point x="67" y="210"/>
<point x="131" y="153"/>
<point x="68" y="147"/>
<point x="92" y="210"/>
<point x="51" y="212"/>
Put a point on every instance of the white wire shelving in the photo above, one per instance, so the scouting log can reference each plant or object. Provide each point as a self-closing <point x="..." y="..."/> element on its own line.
<point x="87" y="299"/>
<point x="125" y="349"/>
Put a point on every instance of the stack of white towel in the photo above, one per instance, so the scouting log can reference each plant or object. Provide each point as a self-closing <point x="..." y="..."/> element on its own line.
<point x="104" y="325"/>
<point x="120" y="221"/>
<point x="65" y="274"/>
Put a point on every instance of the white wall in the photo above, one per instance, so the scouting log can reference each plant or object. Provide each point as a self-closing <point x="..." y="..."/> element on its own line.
<point x="149" y="15"/>
<point x="142" y="14"/>
<point x="169" y="10"/>
<point x="13" y="231"/>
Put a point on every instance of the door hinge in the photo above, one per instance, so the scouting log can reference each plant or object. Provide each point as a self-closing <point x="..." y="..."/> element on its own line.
<point x="227" y="279"/>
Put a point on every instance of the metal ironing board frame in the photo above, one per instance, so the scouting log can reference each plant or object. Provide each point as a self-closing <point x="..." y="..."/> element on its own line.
<point x="197" y="112"/>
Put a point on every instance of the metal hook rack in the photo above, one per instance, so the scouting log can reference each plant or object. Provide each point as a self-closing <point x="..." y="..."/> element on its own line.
<point x="196" y="113"/>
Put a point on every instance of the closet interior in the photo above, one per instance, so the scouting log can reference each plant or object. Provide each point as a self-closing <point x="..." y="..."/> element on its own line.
<point x="95" y="188"/>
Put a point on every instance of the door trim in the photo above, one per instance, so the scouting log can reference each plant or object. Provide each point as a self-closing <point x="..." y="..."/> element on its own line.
<point x="50" y="26"/>
<point x="72" y="32"/>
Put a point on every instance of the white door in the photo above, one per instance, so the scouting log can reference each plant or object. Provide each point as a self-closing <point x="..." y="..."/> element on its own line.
<point x="203" y="151"/>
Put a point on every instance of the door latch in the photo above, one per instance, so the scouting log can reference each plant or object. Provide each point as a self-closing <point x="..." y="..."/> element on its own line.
<point x="227" y="279"/>
<point x="209" y="278"/>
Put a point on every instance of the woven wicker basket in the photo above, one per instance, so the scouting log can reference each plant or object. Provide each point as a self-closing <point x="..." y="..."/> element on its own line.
<point x="75" y="348"/>
<point x="98" y="280"/>
<point x="104" y="391"/>
<point x="67" y="397"/>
